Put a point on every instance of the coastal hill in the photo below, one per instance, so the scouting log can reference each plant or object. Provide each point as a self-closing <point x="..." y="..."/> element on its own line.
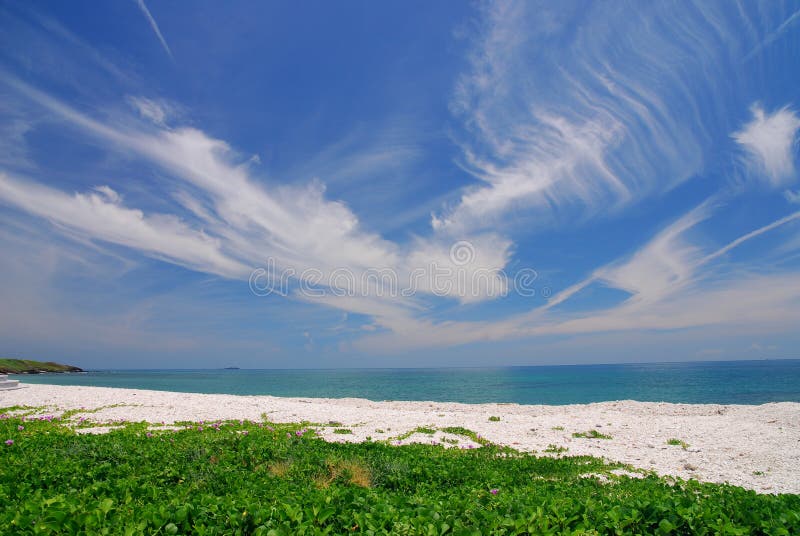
<point x="28" y="366"/>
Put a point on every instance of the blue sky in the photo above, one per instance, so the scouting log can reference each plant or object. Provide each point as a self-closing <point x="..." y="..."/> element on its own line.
<point x="398" y="184"/>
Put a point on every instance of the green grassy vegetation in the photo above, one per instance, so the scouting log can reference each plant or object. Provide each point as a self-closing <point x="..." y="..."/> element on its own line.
<point x="27" y="366"/>
<point x="269" y="479"/>
<point x="461" y="431"/>
<point x="558" y="428"/>
<point x="494" y="418"/>
<point x="591" y="434"/>
<point x="555" y="449"/>
<point x="418" y="430"/>
<point x="678" y="443"/>
<point x="342" y="431"/>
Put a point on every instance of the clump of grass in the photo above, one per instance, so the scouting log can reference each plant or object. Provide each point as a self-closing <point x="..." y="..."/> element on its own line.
<point x="758" y="473"/>
<point x="591" y="434"/>
<point x="352" y="472"/>
<point x="357" y="473"/>
<point x="494" y="418"/>
<point x="555" y="449"/>
<point x="558" y="428"/>
<point x="380" y="431"/>
<point x="678" y="443"/>
<point x="425" y="430"/>
<point x="451" y="441"/>
<point x="342" y="431"/>
<point x="279" y="469"/>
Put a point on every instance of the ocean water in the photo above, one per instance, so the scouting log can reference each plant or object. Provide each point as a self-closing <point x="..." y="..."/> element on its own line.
<point x="728" y="382"/>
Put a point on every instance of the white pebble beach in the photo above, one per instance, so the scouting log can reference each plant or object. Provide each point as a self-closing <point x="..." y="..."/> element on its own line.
<point x="753" y="446"/>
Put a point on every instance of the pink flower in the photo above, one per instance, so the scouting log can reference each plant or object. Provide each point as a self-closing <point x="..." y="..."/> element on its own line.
<point x="148" y="434"/>
<point x="9" y="442"/>
<point x="494" y="491"/>
<point x="245" y="432"/>
<point x="20" y="428"/>
<point x="199" y="428"/>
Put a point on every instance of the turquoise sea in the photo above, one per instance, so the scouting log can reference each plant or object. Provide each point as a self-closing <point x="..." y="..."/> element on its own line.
<point x="727" y="382"/>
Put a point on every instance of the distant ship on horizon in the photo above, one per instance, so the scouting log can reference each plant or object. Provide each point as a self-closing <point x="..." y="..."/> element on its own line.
<point x="231" y="368"/>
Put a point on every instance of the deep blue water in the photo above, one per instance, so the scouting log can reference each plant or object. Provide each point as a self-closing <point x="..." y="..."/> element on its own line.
<point x="728" y="382"/>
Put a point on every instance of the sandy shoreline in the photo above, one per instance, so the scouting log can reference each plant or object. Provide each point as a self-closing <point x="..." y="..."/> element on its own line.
<point x="757" y="447"/>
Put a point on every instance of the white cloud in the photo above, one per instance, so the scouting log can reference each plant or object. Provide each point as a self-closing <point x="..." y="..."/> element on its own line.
<point x="469" y="269"/>
<point x="100" y="215"/>
<point x="769" y="143"/>
<point x="238" y="221"/>
<point x="673" y="285"/>
<point x="663" y="266"/>
<point x="587" y="129"/>
<point x="110" y="195"/>
<point x="792" y="196"/>
<point x="590" y="126"/>
<point x="155" y="111"/>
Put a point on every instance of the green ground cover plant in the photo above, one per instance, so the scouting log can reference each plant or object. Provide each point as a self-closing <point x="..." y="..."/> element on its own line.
<point x="555" y="449"/>
<point x="591" y="434"/>
<point x="264" y="478"/>
<point x="678" y="443"/>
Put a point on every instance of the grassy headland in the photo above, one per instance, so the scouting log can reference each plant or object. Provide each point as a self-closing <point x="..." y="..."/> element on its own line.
<point x="241" y="477"/>
<point x="28" y="366"/>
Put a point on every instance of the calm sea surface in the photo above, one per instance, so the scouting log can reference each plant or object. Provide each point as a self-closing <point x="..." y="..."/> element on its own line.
<point x="730" y="382"/>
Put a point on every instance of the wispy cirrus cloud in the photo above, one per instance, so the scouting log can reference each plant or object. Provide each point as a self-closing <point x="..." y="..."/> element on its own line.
<point x="672" y="283"/>
<point x="101" y="215"/>
<point x="238" y="221"/>
<point x="156" y="111"/>
<point x="585" y="128"/>
<point x="565" y="115"/>
<point x="774" y="35"/>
